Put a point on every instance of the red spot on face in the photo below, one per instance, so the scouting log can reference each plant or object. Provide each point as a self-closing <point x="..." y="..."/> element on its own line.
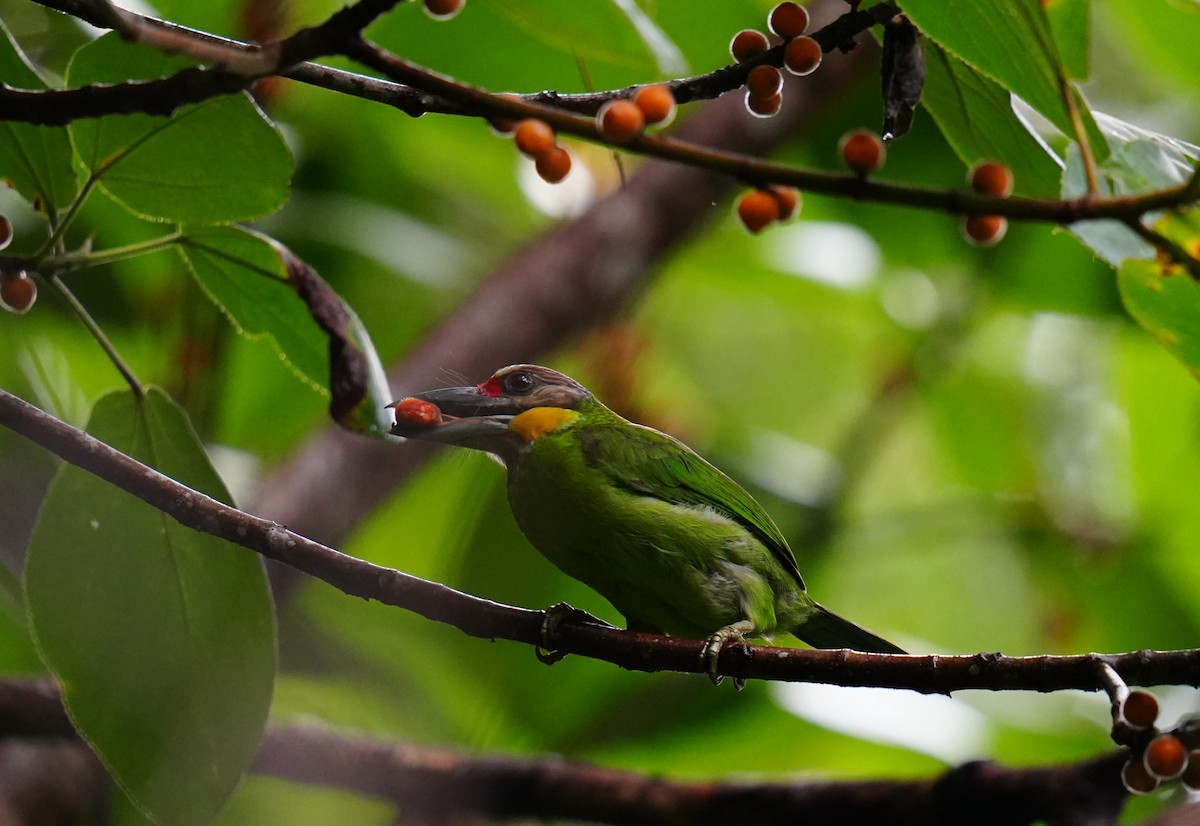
<point x="491" y="387"/>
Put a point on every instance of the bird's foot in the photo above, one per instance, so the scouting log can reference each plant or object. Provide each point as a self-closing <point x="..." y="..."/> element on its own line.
<point x="712" y="649"/>
<point x="553" y="619"/>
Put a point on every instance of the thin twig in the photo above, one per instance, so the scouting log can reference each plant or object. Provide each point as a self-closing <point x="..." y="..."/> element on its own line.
<point x="97" y="333"/>
<point x="1175" y="251"/>
<point x="757" y="172"/>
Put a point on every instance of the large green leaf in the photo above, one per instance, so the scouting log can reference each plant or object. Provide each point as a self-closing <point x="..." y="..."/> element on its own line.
<point x="265" y="290"/>
<point x="1013" y="42"/>
<point x="614" y="30"/>
<point x="1167" y="304"/>
<point x="976" y="117"/>
<point x="163" y="638"/>
<point x="1071" y="24"/>
<point x="35" y="160"/>
<point x="212" y="162"/>
<point x="243" y="274"/>
<point x="17" y="652"/>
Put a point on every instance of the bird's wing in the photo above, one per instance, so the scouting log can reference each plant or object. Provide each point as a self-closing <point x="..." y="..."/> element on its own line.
<point x="650" y="463"/>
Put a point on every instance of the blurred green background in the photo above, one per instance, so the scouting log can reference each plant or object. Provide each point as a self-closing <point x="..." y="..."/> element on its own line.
<point x="975" y="450"/>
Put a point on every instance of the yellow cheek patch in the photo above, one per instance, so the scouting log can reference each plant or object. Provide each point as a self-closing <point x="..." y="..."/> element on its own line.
<point x="535" y="423"/>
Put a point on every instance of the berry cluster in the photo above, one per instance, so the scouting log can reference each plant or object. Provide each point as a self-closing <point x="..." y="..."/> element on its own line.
<point x="536" y="139"/>
<point x="618" y="121"/>
<point x="988" y="178"/>
<point x="801" y="56"/>
<point x="759" y="208"/>
<point x="621" y="120"/>
<point x="17" y="290"/>
<point x="1164" y="756"/>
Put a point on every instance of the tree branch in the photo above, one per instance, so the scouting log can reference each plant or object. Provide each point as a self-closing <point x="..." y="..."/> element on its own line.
<point x="635" y="651"/>
<point x="442" y="781"/>
<point x="340" y="35"/>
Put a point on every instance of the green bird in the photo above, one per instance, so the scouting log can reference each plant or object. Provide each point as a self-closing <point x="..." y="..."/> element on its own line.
<point x="672" y="542"/>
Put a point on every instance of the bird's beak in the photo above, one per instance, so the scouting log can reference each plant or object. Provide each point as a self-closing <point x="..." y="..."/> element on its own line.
<point x="468" y="418"/>
<point x="469" y="403"/>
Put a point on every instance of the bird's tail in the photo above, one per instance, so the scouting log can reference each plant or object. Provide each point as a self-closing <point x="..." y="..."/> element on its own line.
<point x="825" y="629"/>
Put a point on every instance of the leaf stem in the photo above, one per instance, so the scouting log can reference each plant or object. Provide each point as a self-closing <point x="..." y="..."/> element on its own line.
<point x="59" y="226"/>
<point x="94" y="328"/>
<point x="1085" y="145"/>
<point x="86" y="259"/>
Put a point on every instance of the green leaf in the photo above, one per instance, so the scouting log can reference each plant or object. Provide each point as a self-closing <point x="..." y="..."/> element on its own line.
<point x="617" y="31"/>
<point x="17" y="652"/>
<point x="1069" y="20"/>
<point x="35" y="160"/>
<point x="357" y="382"/>
<point x="975" y="115"/>
<point x="265" y="290"/>
<point x="213" y="162"/>
<point x="1167" y="305"/>
<point x="163" y="638"/>
<point x="990" y="36"/>
<point x="241" y="271"/>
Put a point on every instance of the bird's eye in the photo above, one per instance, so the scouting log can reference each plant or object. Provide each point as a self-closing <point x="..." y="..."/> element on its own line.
<point x="518" y="384"/>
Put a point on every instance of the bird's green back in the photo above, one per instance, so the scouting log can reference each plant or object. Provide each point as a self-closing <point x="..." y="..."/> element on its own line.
<point x="647" y="462"/>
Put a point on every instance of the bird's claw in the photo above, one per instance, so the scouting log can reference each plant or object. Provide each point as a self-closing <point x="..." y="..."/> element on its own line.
<point x="712" y="650"/>
<point x="552" y="620"/>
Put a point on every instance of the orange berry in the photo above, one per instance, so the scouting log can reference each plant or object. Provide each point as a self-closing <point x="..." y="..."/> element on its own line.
<point x="747" y="44"/>
<point x="620" y="121"/>
<point x="757" y="210"/>
<point x="417" y="412"/>
<point x="788" y="198"/>
<point x="862" y="151"/>
<point x="443" y="9"/>
<point x="802" y="56"/>
<point x="984" y="230"/>
<point x="17" y="292"/>
<point x="656" y="102"/>
<point x="554" y="165"/>
<point x="1165" y="757"/>
<point x="788" y="20"/>
<point x="1140" y="709"/>
<point x="1191" y="775"/>
<point x="764" y="81"/>
<point x="764" y="107"/>
<point x="534" y="137"/>
<point x="1136" y="779"/>
<point x="6" y="231"/>
<point x="992" y="178"/>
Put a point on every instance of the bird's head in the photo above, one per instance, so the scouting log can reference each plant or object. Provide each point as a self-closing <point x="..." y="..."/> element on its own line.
<point x="516" y="406"/>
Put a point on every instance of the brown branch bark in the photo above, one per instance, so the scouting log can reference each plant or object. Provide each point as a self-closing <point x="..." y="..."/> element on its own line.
<point x="235" y="65"/>
<point x="636" y="651"/>
<point x="443" y="782"/>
